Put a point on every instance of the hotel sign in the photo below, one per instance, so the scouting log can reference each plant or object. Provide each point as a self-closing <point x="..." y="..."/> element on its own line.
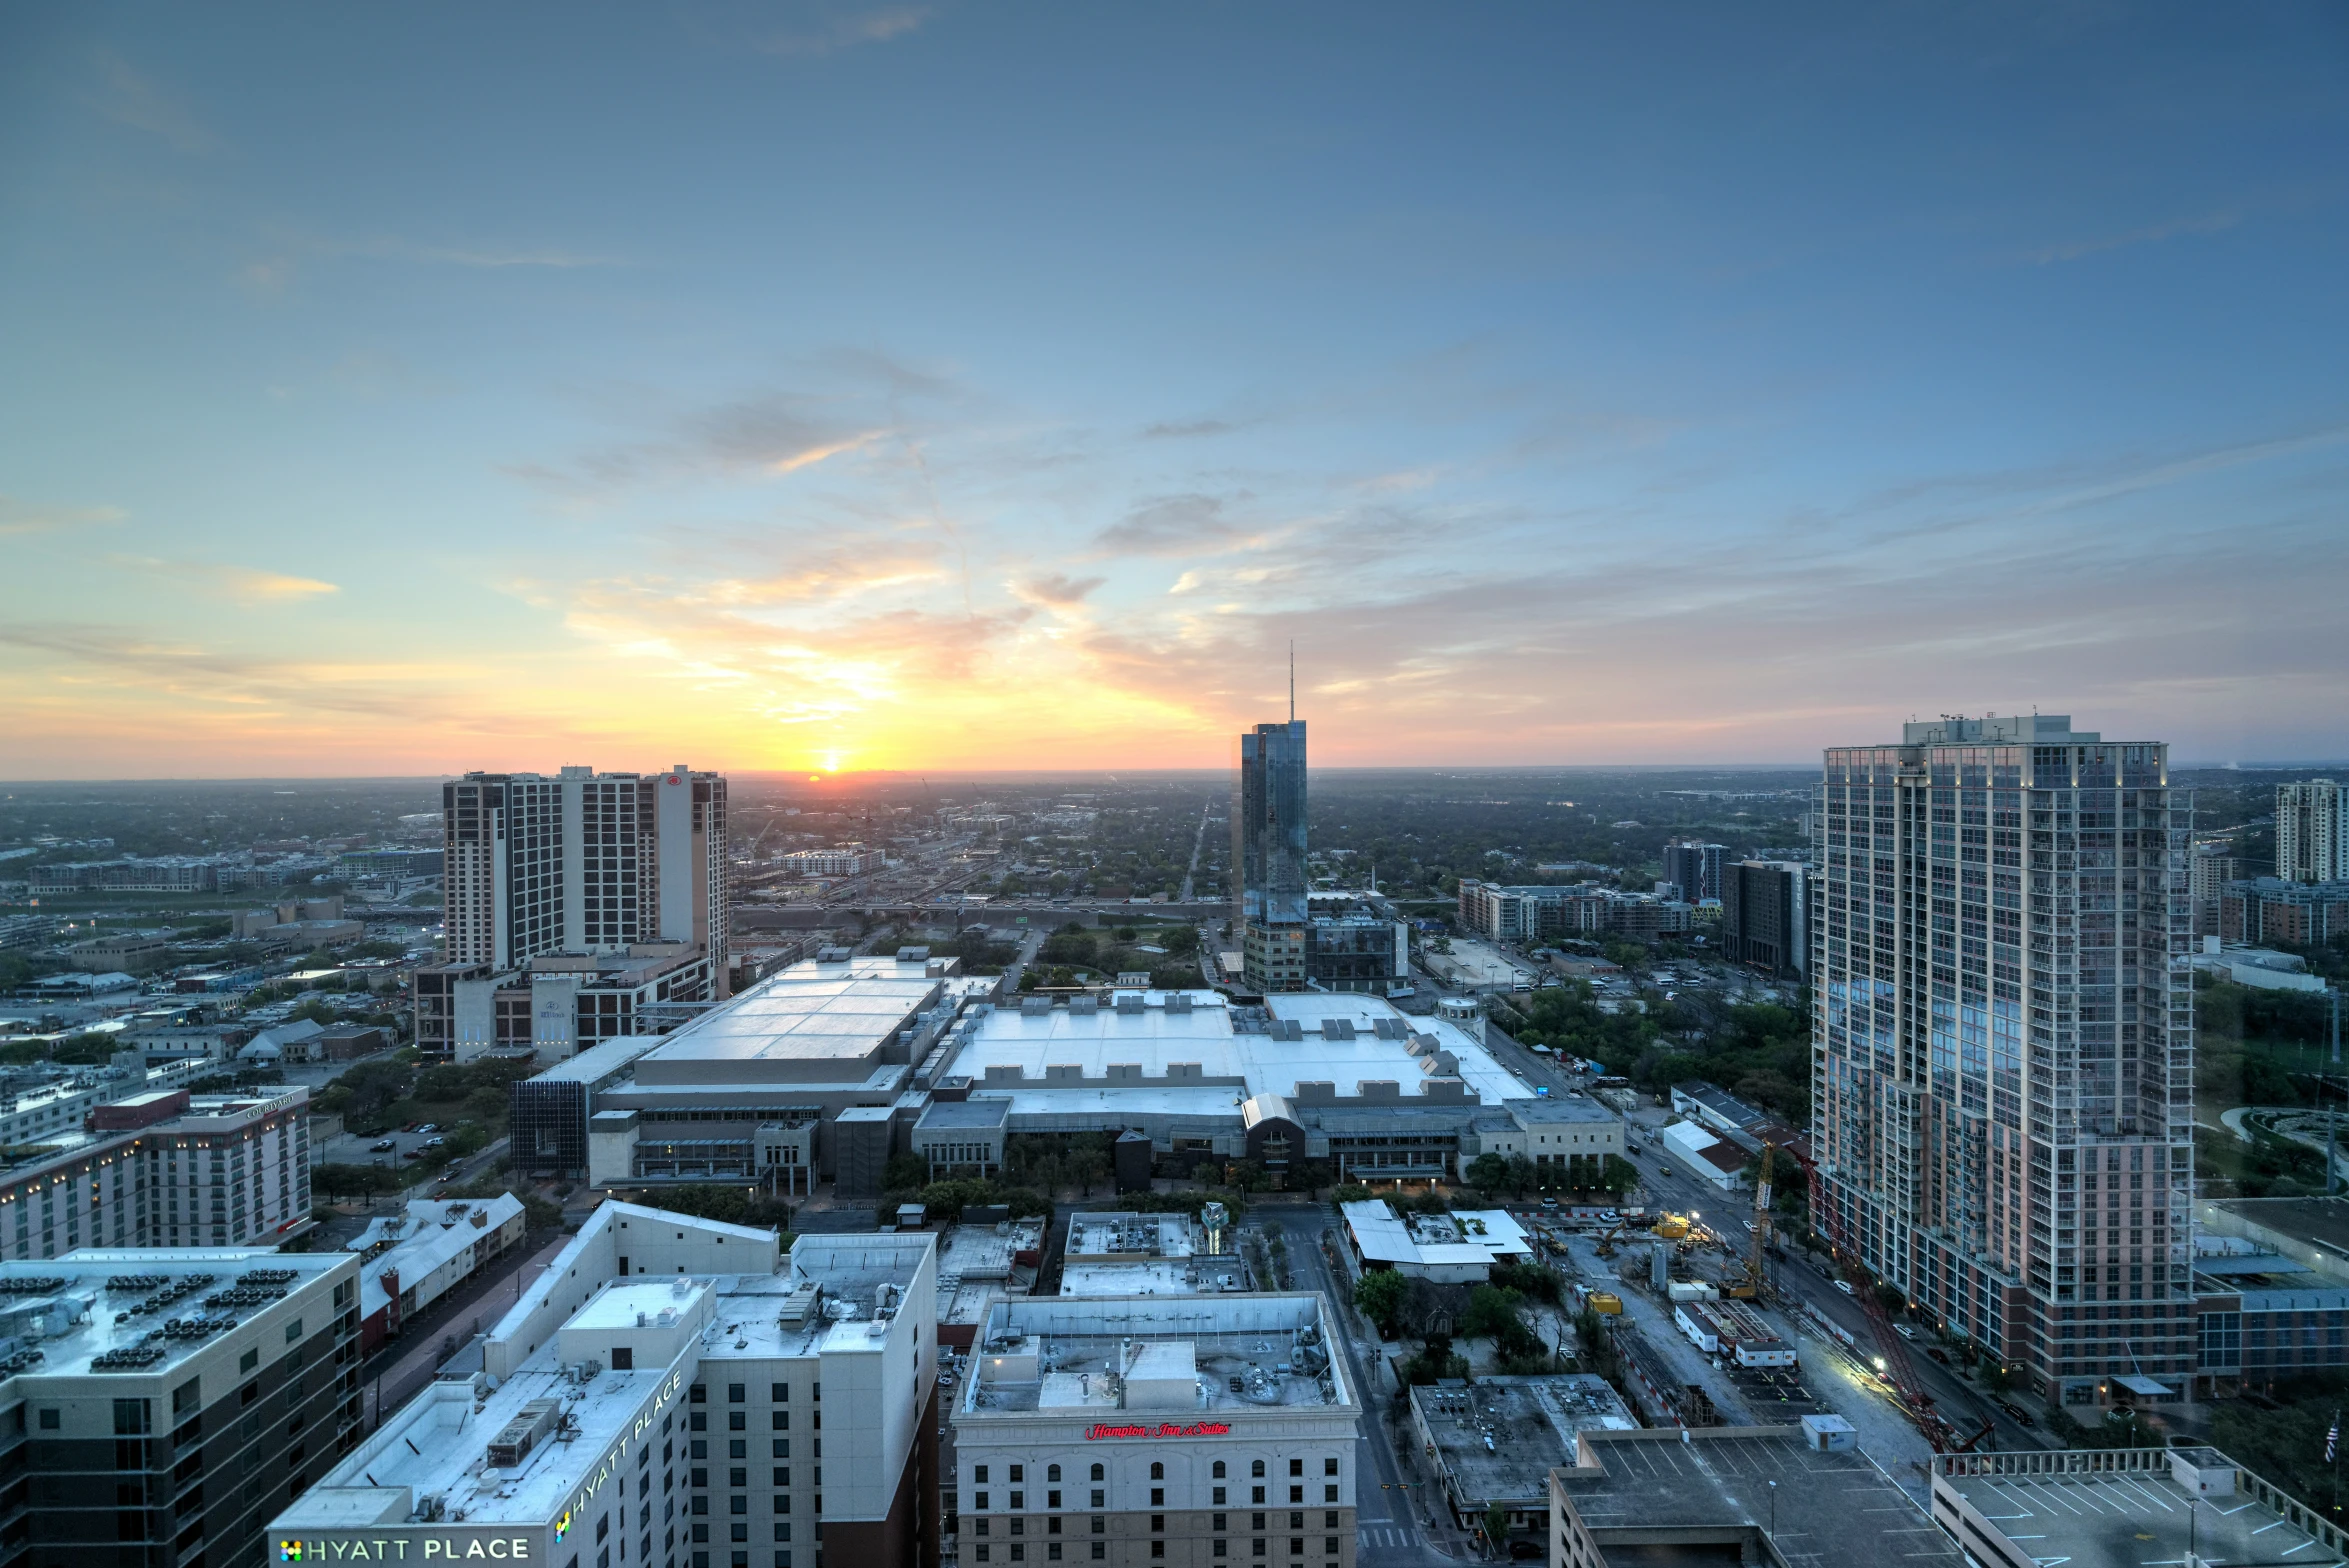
<point x="1097" y="1432"/>
<point x="419" y="1545"/>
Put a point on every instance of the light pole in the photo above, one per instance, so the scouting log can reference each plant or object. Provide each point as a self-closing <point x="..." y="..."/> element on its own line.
<point x="1773" y="1512"/>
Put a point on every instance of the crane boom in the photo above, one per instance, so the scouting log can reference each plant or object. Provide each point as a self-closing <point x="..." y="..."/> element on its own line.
<point x="1892" y="1350"/>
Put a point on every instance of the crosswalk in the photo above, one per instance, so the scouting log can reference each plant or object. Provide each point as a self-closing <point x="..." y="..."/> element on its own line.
<point x="1383" y="1537"/>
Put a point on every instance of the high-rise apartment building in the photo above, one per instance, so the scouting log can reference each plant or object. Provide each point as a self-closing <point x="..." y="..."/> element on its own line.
<point x="1765" y="915"/>
<point x="2312" y="831"/>
<point x="584" y="862"/>
<point x="2002" y="1063"/>
<point x="1695" y="868"/>
<point x="1268" y="847"/>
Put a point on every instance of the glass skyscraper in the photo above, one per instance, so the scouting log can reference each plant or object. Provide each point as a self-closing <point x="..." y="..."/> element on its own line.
<point x="2002" y="1067"/>
<point x="1268" y="848"/>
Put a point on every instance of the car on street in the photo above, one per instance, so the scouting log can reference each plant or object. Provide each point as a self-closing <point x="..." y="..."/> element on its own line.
<point x="1938" y="1354"/>
<point x="2020" y="1416"/>
<point x="383" y="1146"/>
<point x="1549" y="1203"/>
<point x="1904" y="1331"/>
<point x="1844" y="1285"/>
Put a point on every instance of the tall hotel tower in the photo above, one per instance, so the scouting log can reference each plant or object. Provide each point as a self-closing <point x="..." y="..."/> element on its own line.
<point x="585" y="862"/>
<point x="2002" y="1074"/>
<point x="1268" y="848"/>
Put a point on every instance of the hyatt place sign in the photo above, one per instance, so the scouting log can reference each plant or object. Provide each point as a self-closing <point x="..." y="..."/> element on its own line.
<point x="433" y="1544"/>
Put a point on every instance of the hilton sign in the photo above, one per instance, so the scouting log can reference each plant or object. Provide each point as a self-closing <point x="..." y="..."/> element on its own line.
<point x="1095" y="1434"/>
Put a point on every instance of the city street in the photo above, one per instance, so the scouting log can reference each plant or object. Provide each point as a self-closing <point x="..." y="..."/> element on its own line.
<point x="1393" y="1527"/>
<point x="1808" y="1278"/>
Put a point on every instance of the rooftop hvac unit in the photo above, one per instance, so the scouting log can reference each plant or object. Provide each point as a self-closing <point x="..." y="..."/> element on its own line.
<point x="525" y="1432"/>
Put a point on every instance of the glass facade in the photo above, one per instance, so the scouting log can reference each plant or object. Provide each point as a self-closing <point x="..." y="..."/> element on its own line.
<point x="2002" y="1053"/>
<point x="1268" y="847"/>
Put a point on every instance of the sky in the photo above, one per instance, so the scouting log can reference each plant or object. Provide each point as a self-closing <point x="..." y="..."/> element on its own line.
<point x="403" y="390"/>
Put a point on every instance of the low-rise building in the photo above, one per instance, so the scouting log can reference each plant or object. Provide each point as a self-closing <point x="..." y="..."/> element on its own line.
<point x="1782" y="1494"/>
<point x="1188" y="1430"/>
<point x="1495" y="1440"/>
<point x="2271" y="1298"/>
<point x="2123" y="1505"/>
<point x="659" y="1395"/>
<point x="415" y="1257"/>
<point x="1708" y="1156"/>
<point x="559" y="1004"/>
<point x="131" y="954"/>
<point x="1123" y="1254"/>
<point x="1456" y="1249"/>
<point x="2268" y="909"/>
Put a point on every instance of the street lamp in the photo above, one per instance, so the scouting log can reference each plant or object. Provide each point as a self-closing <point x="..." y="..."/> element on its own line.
<point x="1773" y="1510"/>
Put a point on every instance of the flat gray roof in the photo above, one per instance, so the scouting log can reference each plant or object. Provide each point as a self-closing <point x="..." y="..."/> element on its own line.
<point x="2124" y="1518"/>
<point x="1833" y="1510"/>
<point x="982" y="1114"/>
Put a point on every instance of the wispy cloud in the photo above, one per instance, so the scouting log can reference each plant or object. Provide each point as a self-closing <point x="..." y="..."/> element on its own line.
<point x="2151" y="234"/>
<point x="1058" y="588"/>
<point x="128" y="97"/>
<point x="247" y="584"/>
<point x="28" y="517"/>
<point x="822" y="35"/>
<point x="1185" y="428"/>
<point x="1170" y="525"/>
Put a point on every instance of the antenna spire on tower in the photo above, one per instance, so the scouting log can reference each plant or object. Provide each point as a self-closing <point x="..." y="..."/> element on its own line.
<point x="1292" y="680"/>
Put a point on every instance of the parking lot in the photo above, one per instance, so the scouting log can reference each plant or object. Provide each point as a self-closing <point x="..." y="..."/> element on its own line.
<point x="351" y="1149"/>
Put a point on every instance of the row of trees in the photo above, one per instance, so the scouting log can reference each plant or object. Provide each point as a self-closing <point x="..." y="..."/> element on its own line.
<point x="1518" y="1174"/>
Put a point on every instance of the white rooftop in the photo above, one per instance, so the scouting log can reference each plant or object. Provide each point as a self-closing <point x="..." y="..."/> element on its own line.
<point x="1155" y="1038"/>
<point x="1465" y="1236"/>
<point x="811" y="1021"/>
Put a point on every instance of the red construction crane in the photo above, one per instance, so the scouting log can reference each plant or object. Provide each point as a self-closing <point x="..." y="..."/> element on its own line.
<point x="1892" y="1351"/>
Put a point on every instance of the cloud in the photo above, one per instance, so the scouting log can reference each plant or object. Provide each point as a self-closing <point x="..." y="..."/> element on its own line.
<point x="1181" y="429"/>
<point x="2207" y="223"/>
<point x="247" y="584"/>
<point x="129" y="98"/>
<point x="1170" y="525"/>
<point x="460" y="257"/>
<point x="27" y="517"/>
<point x="1058" y="588"/>
<point x="846" y="30"/>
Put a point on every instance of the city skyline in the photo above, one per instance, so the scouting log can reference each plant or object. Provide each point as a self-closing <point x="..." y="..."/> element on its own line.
<point x="846" y="387"/>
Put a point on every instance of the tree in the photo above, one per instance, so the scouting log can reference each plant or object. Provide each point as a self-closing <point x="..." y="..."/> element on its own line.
<point x="1380" y="1296"/>
<point x="1496" y="1522"/>
<point x="1181" y="941"/>
<point x="1488" y="1173"/>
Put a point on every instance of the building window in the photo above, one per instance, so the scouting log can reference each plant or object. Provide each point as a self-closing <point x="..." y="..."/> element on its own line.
<point x="1095" y="1476"/>
<point x="1052" y="1473"/>
<point x="1157" y="1471"/>
<point x="1256" y="1468"/>
<point x="1218" y="1471"/>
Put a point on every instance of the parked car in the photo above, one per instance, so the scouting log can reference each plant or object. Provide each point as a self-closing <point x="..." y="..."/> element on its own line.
<point x="1936" y="1352"/>
<point x="435" y="1143"/>
<point x="428" y="1127"/>
<point x="413" y="1154"/>
<point x="1844" y="1285"/>
<point x="383" y="1146"/>
<point x="1526" y="1551"/>
<point x="2021" y="1416"/>
<point x="1904" y="1331"/>
<point x="1549" y="1203"/>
